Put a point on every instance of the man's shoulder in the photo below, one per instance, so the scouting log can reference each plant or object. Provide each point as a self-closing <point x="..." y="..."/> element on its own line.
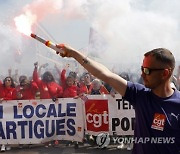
<point x="137" y="86"/>
<point x="137" y="90"/>
<point x="177" y="94"/>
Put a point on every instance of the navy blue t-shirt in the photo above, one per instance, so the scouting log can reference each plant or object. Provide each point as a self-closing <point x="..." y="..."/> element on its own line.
<point x="157" y="126"/>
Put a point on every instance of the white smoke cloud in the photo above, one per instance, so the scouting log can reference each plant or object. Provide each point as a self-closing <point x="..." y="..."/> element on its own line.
<point x="134" y="27"/>
<point x="130" y="27"/>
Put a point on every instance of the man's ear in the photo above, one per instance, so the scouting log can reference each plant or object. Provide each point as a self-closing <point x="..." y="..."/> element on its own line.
<point x="166" y="73"/>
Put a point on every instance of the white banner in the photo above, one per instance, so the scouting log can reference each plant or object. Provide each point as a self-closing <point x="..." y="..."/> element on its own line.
<point x="121" y="116"/>
<point x="39" y="121"/>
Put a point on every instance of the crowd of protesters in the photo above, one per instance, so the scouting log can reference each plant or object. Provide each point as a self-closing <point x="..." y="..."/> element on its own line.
<point x="59" y="84"/>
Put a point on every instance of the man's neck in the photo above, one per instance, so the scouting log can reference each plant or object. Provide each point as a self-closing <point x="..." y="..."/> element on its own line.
<point x="163" y="91"/>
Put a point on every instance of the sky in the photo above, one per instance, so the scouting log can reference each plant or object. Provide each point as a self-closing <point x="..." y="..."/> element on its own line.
<point x="122" y="31"/>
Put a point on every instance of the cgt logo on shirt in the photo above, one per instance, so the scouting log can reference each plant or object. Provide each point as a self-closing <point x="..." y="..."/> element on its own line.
<point x="158" y="121"/>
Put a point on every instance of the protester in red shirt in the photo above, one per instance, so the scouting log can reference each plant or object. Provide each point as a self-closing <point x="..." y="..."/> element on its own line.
<point x="47" y="86"/>
<point x="68" y="84"/>
<point x="7" y="92"/>
<point x="27" y="90"/>
<point x="82" y="89"/>
<point x="87" y="81"/>
<point x="7" y="89"/>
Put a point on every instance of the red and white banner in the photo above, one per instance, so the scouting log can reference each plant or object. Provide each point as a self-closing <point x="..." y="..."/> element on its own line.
<point x="97" y="116"/>
<point x="105" y="113"/>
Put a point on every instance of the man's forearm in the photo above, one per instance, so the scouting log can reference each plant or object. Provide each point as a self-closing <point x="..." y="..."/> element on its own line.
<point x="91" y="66"/>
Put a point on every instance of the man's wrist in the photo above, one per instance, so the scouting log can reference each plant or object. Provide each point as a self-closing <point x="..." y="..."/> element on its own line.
<point x="85" y="60"/>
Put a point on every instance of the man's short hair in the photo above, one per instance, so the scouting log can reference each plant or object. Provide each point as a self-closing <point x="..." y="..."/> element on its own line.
<point x="163" y="55"/>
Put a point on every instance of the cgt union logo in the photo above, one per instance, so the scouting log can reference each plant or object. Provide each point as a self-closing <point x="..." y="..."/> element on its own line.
<point x="97" y="116"/>
<point x="158" y="121"/>
<point x="97" y="119"/>
<point x="103" y="140"/>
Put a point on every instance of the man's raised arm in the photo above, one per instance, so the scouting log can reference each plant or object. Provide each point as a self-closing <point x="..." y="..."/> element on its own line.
<point x="95" y="68"/>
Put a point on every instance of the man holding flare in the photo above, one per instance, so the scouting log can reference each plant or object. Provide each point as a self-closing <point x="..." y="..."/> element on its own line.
<point x="157" y="105"/>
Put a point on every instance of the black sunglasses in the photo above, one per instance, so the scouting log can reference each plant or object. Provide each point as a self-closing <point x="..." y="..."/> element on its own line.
<point x="148" y="71"/>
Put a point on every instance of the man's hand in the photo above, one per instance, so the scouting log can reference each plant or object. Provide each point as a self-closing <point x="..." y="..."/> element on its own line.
<point x="36" y="64"/>
<point x="67" y="50"/>
<point x="66" y="66"/>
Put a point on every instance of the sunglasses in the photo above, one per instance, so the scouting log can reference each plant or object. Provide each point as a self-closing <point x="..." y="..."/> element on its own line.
<point x="148" y="71"/>
<point x="8" y="80"/>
